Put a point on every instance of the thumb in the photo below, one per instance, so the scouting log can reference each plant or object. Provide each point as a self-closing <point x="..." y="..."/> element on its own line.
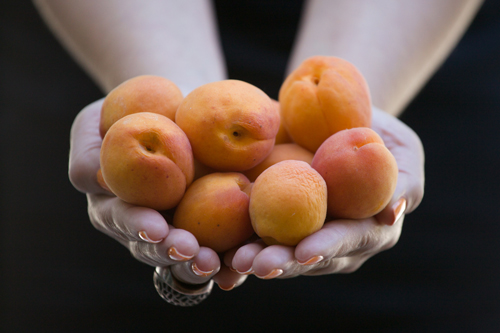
<point x="406" y="147"/>
<point x="85" y="147"/>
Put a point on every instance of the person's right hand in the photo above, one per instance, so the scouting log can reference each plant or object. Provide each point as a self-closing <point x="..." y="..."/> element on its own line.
<point x="344" y="245"/>
<point x="145" y="232"/>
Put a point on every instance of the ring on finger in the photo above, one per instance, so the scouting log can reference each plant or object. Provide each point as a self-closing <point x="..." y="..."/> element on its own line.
<point x="178" y="293"/>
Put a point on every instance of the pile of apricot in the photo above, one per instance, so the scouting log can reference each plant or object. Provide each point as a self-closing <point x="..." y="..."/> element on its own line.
<point x="228" y="161"/>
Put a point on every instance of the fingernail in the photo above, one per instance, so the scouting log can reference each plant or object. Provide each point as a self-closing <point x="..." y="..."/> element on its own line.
<point x="199" y="272"/>
<point x="175" y="255"/>
<point x="311" y="261"/>
<point x="228" y="288"/>
<point x="274" y="273"/>
<point x="144" y="236"/>
<point x="248" y="272"/>
<point x="399" y="209"/>
<point x="233" y="270"/>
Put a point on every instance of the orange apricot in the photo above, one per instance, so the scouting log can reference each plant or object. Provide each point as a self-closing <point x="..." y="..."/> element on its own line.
<point x="145" y="93"/>
<point x="215" y="210"/>
<point x="360" y="172"/>
<point x="288" y="203"/>
<point x="282" y="135"/>
<point x="231" y="124"/>
<point x="280" y="152"/>
<point x="147" y="160"/>
<point x="321" y="97"/>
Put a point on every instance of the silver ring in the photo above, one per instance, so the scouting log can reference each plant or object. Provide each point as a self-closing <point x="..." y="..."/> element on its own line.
<point x="178" y="293"/>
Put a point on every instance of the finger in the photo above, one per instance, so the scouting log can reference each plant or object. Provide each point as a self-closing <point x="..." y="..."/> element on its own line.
<point x="227" y="279"/>
<point x="198" y="270"/>
<point x="85" y="146"/>
<point x="397" y="207"/>
<point x="347" y="238"/>
<point x="276" y="261"/>
<point x="179" y="246"/>
<point x="346" y="259"/>
<point x="338" y="265"/>
<point x="242" y="259"/>
<point x="411" y="179"/>
<point x="407" y="148"/>
<point x="124" y="221"/>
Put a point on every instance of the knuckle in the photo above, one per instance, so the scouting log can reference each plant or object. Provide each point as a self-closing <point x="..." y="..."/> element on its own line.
<point x="391" y="241"/>
<point x="418" y="192"/>
<point x="94" y="218"/>
<point x="353" y="266"/>
<point x="76" y="176"/>
<point x="103" y="217"/>
<point x="329" y="266"/>
<point x="366" y="242"/>
<point x="146" y="253"/>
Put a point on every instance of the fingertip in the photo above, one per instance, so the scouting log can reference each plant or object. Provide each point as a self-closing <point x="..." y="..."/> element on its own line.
<point x="228" y="280"/>
<point x="392" y="212"/>
<point x="311" y="261"/>
<point x="85" y="144"/>
<point x="181" y="244"/>
<point x="147" y="224"/>
<point x="206" y="262"/>
<point x="317" y="246"/>
<point x="272" y="261"/>
<point x="399" y="209"/>
<point x="83" y="174"/>
<point x="242" y="261"/>
<point x="271" y="275"/>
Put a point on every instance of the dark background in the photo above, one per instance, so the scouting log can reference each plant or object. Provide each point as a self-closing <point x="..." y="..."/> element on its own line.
<point x="58" y="274"/>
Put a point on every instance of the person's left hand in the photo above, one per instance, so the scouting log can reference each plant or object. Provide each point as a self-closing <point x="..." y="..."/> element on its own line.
<point x="145" y="232"/>
<point x="342" y="246"/>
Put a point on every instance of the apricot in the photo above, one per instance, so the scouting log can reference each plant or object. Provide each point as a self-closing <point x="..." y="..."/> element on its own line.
<point x="215" y="210"/>
<point x="322" y="96"/>
<point x="282" y="135"/>
<point x="100" y="180"/>
<point x="201" y="170"/>
<point x="145" y="93"/>
<point x="280" y="152"/>
<point x="288" y="202"/>
<point x="147" y="160"/>
<point x="231" y="124"/>
<point x="360" y="172"/>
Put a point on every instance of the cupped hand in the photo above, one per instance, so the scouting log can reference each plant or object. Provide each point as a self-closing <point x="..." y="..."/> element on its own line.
<point x="145" y="232"/>
<point x="342" y="246"/>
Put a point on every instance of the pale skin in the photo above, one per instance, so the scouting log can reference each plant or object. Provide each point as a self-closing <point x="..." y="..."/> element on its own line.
<point x="397" y="45"/>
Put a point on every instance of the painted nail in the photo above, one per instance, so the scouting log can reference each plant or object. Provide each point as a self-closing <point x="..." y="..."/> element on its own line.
<point x="247" y="272"/>
<point x="175" y="255"/>
<point x="199" y="272"/>
<point x="274" y="273"/>
<point x="228" y="288"/>
<point x="144" y="236"/>
<point x="233" y="270"/>
<point x="311" y="261"/>
<point x="399" y="209"/>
